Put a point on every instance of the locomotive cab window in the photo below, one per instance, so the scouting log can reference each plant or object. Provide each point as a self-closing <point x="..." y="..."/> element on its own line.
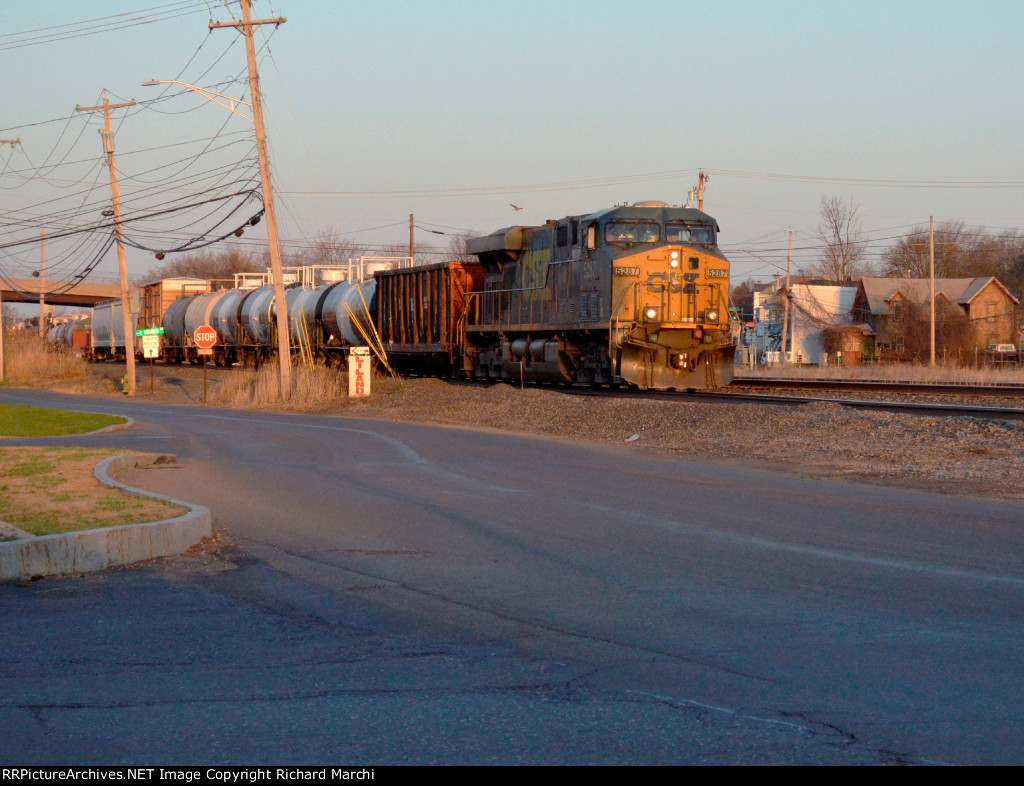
<point x="692" y="234"/>
<point x="631" y="232"/>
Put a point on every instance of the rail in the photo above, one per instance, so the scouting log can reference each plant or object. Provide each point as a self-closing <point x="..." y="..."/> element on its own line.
<point x="1001" y="389"/>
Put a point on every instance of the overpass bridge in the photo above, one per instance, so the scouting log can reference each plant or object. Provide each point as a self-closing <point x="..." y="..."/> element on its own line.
<point x="19" y="290"/>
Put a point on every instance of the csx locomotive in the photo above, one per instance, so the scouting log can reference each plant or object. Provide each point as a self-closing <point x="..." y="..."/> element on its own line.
<point x="636" y="294"/>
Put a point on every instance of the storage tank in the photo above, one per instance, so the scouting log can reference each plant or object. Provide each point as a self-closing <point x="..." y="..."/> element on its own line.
<point x="65" y="333"/>
<point x="303" y="312"/>
<point x="335" y="316"/>
<point x="224" y="314"/>
<point x="174" y="321"/>
<point x="256" y="316"/>
<point x="198" y="312"/>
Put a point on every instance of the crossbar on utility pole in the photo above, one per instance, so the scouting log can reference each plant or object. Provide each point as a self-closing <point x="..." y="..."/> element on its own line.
<point x="12" y="143"/>
<point x="108" y="147"/>
<point x="246" y="27"/>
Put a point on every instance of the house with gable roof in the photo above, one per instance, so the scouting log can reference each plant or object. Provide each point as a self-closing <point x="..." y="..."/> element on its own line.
<point x="970" y="314"/>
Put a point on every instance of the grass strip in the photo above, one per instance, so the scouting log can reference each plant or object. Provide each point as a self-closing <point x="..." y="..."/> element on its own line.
<point x="51" y="490"/>
<point x="22" y="421"/>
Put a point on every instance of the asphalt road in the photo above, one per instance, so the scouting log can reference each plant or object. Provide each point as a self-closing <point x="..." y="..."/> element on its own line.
<point x="410" y="594"/>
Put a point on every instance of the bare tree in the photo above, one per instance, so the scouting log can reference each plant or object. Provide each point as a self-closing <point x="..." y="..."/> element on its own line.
<point x="220" y="264"/>
<point x="954" y="334"/>
<point x="839" y="230"/>
<point x="742" y="297"/>
<point x="457" y="248"/>
<point x="1001" y="256"/>
<point x="955" y="247"/>
<point x="8" y="314"/>
<point x="329" y="248"/>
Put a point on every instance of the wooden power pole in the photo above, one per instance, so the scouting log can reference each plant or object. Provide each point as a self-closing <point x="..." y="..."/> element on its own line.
<point x="412" y="245"/>
<point x="12" y="143"/>
<point x="931" y="276"/>
<point x="247" y="27"/>
<point x="785" y="318"/>
<point x="108" y="147"/>
<point x="42" y="280"/>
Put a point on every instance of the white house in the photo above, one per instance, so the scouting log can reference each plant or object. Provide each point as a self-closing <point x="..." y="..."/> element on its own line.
<point x="812" y="309"/>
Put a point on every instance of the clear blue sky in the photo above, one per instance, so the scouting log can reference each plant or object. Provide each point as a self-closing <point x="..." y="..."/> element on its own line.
<point x="378" y="110"/>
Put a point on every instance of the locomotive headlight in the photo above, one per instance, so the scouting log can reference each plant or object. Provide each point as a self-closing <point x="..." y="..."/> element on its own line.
<point x="673" y="259"/>
<point x="711" y="315"/>
<point x="651" y="313"/>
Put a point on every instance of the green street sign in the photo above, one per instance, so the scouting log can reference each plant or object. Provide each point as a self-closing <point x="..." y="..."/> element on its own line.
<point x="150" y="332"/>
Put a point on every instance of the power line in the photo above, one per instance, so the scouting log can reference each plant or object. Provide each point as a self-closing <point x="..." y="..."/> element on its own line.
<point x="99" y="25"/>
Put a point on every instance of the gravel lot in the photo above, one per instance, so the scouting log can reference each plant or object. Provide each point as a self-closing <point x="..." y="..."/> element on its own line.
<point x="950" y="455"/>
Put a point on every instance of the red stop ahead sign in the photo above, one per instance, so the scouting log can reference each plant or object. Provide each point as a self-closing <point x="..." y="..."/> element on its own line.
<point x="205" y="337"/>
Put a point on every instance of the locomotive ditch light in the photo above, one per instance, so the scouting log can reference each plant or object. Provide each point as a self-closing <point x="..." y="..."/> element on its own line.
<point x="651" y="313"/>
<point x="711" y="315"/>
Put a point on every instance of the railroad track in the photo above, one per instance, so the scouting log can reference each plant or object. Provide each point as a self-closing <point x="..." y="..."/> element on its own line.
<point x="734" y="394"/>
<point x="905" y="407"/>
<point x="994" y="389"/>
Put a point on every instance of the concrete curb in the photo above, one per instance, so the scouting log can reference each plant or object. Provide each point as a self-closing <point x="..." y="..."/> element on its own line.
<point x="128" y="423"/>
<point x="97" y="549"/>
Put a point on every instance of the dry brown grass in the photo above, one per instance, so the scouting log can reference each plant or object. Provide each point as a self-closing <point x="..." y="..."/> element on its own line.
<point x="894" y="372"/>
<point x="313" y="389"/>
<point x="50" y="490"/>
<point x="29" y="361"/>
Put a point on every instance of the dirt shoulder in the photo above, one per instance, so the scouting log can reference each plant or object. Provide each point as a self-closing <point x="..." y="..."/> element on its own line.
<point x="946" y="455"/>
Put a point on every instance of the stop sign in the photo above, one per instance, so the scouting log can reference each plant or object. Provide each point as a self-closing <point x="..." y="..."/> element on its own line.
<point x="205" y="337"/>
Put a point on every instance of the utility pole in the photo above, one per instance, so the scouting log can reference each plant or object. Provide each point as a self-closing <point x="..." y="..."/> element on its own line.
<point x="931" y="276"/>
<point x="412" y="245"/>
<point x="701" y="180"/>
<point x="42" y="280"/>
<point x="12" y="143"/>
<point x="247" y="27"/>
<point x="108" y="147"/>
<point x="785" y="318"/>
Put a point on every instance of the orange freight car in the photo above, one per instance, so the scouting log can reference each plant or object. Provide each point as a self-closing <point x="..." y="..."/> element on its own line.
<point x="421" y="315"/>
